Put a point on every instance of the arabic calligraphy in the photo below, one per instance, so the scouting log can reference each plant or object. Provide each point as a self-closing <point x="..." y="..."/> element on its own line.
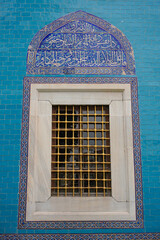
<point x="89" y="58"/>
<point x="80" y="44"/>
<point x="80" y="26"/>
<point x="80" y="41"/>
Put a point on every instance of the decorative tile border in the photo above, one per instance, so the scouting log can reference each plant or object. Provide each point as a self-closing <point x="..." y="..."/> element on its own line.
<point x="116" y="236"/>
<point x="22" y="223"/>
<point x="80" y="43"/>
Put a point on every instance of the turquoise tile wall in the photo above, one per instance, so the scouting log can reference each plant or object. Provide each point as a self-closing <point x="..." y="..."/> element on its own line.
<point x="20" y="21"/>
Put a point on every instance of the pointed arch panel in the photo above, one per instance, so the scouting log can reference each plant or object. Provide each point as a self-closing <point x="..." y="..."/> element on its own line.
<point x="80" y="43"/>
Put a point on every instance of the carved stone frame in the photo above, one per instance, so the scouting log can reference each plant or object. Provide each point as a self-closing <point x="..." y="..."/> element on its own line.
<point x="138" y="223"/>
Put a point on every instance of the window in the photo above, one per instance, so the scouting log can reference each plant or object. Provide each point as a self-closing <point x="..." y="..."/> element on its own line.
<point x="44" y="204"/>
<point x="80" y="151"/>
<point x="82" y="45"/>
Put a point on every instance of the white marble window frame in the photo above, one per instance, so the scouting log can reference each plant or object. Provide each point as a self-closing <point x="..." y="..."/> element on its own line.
<point x="40" y="205"/>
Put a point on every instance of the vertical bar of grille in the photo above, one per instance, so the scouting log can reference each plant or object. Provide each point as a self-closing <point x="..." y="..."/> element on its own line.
<point x="88" y="150"/>
<point x="103" y="154"/>
<point x="58" y="118"/>
<point x="80" y="143"/>
<point x="65" y="150"/>
<point x="95" y="135"/>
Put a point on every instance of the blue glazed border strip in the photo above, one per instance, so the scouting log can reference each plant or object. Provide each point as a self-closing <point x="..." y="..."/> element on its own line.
<point x="117" y="236"/>
<point x="22" y="223"/>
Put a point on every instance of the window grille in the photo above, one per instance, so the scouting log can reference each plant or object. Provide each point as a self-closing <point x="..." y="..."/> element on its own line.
<point x="80" y="151"/>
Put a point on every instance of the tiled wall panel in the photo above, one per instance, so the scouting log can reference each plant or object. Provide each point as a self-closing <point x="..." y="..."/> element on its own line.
<point x="20" y="20"/>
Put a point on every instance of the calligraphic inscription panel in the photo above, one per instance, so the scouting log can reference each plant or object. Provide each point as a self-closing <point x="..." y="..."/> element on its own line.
<point x="82" y="47"/>
<point x="80" y="44"/>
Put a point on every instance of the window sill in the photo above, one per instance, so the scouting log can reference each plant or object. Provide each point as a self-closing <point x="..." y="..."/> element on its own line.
<point x="83" y="209"/>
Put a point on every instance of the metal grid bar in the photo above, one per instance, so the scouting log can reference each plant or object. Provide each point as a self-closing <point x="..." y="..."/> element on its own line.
<point x="65" y="151"/>
<point x="103" y="158"/>
<point x="88" y="150"/>
<point x="80" y="134"/>
<point x="80" y="151"/>
<point x="73" y="149"/>
<point x="95" y="148"/>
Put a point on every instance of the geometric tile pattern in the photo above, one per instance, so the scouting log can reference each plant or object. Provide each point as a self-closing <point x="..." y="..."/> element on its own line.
<point x="22" y="223"/>
<point x="116" y="236"/>
<point x="80" y="43"/>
